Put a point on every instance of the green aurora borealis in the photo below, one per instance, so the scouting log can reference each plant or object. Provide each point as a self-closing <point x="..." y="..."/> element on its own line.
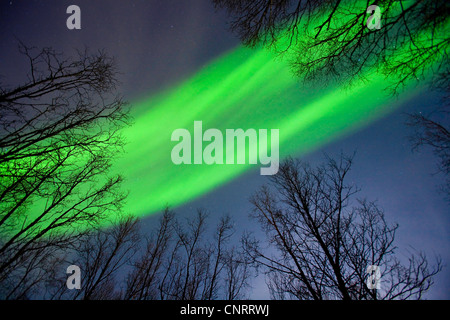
<point x="243" y="89"/>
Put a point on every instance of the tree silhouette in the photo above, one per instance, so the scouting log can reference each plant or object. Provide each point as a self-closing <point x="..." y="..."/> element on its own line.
<point x="59" y="132"/>
<point x="322" y="241"/>
<point x="429" y="132"/>
<point x="182" y="262"/>
<point x="101" y="254"/>
<point x="330" y="40"/>
<point x="174" y="261"/>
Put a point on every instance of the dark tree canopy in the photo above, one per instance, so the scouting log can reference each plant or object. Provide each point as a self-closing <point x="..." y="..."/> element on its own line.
<point x="59" y="133"/>
<point x="174" y="261"/>
<point x="60" y="205"/>
<point x="432" y="130"/>
<point x="322" y="240"/>
<point x="330" y="39"/>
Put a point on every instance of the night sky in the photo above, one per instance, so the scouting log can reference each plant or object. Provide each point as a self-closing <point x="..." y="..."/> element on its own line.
<point x="159" y="43"/>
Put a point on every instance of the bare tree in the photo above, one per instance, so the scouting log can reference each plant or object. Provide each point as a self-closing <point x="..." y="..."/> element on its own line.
<point x="101" y="254"/>
<point x="59" y="132"/>
<point x="238" y="273"/>
<point x="330" y="39"/>
<point x="182" y="262"/>
<point x="30" y="274"/>
<point x="216" y="254"/>
<point x="143" y="280"/>
<point x="322" y="241"/>
<point x="433" y="133"/>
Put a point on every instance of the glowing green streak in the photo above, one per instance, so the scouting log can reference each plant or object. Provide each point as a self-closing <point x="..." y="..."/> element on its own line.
<point x="258" y="93"/>
<point x="242" y="89"/>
